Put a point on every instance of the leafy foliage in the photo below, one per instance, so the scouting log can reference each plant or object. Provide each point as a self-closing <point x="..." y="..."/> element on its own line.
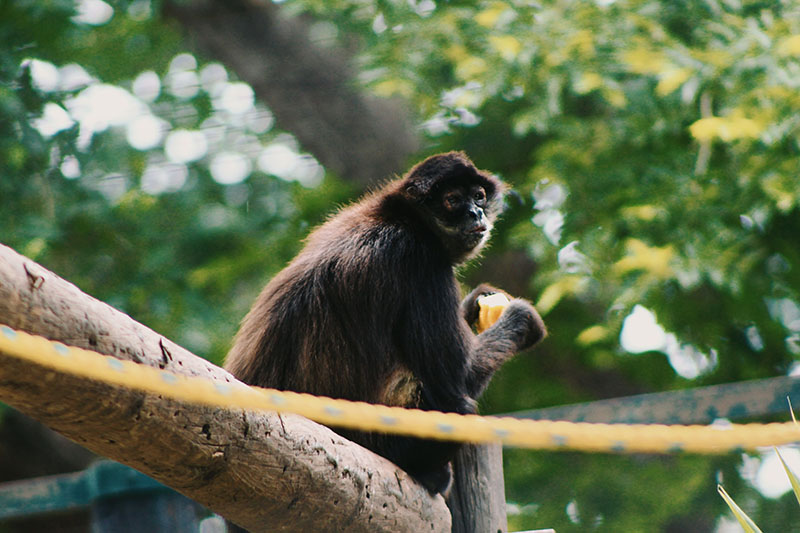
<point x="668" y="127"/>
<point x="653" y="147"/>
<point x="105" y="215"/>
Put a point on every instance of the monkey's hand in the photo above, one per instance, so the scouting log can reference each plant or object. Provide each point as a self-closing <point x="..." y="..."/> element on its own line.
<point x="515" y="320"/>
<point x="520" y="323"/>
<point x="470" y="307"/>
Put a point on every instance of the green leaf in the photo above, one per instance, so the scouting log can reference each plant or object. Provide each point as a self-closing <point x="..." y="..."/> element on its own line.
<point x="792" y="478"/>
<point x="746" y="522"/>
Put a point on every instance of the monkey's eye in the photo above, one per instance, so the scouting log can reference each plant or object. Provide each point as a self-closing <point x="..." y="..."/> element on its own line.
<point x="479" y="195"/>
<point x="452" y="200"/>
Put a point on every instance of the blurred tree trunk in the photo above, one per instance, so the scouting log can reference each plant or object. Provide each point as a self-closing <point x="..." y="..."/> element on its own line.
<point x="312" y="90"/>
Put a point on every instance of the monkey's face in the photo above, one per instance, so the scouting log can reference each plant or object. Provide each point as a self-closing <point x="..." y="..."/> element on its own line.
<point x="458" y="201"/>
<point x="461" y="213"/>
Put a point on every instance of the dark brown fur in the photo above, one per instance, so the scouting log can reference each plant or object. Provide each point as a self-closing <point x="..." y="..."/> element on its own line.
<point x="369" y="310"/>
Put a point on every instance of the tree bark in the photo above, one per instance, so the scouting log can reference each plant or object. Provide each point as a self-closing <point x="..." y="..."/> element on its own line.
<point x="263" y="471"/>
<point x="312" y="90"/>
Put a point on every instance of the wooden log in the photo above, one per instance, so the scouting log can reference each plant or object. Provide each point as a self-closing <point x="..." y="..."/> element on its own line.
<point x="263" y="471"/>
<point x="477" y="500"/>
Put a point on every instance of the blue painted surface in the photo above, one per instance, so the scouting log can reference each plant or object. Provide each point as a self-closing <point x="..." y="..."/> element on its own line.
<point x="104" y="479"/>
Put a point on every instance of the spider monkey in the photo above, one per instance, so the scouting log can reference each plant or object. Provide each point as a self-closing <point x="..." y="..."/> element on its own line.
<point x="369" y="309"/>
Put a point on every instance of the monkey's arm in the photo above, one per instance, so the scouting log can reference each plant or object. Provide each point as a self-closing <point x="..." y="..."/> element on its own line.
<point x="519" y="327"/>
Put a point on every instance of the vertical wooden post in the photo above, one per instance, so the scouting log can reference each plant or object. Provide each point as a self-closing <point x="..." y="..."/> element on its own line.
<point x="478" y="498"/>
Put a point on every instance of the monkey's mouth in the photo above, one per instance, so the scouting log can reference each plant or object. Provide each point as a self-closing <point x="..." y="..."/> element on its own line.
<point x="478" y="230"/>
<point x="475" y="235"/>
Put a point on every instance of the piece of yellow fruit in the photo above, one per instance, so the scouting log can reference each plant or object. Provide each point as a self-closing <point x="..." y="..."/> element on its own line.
<point x="490" y="307"/>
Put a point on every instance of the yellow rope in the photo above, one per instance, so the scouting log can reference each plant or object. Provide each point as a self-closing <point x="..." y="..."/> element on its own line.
<point x="539" y="434"/>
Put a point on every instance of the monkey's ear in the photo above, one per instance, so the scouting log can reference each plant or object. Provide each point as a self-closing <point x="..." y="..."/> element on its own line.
<point x="412" y="190"/>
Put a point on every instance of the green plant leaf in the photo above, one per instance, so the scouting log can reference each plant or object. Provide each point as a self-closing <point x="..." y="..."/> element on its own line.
<point x="746" y="522"/>
<point x="792" y="478"/>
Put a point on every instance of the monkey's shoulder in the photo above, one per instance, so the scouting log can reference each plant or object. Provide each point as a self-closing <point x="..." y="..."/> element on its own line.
<point x="367" y="233"/>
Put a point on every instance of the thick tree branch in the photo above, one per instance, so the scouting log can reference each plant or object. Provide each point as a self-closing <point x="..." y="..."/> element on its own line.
<point x="263" y="471"/>
<point x="312" y="90"/>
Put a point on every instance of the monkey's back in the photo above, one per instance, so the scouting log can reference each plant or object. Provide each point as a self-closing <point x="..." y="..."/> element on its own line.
<point x="336" y="320"/>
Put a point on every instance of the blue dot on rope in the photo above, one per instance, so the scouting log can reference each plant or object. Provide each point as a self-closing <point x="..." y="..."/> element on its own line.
<point x="8" y="332"/>
<point x="60" y="349"/>
<point x="276" y="399"/>
<point x="445" y="428"/>
<point x="675" y="447"/>
<point x="388" y="420"/>
<point x="333" y="411"/>
<point x="116" y="364"/>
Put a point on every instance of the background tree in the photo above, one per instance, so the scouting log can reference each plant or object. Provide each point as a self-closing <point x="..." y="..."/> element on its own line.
<point x="653" y="147"/>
